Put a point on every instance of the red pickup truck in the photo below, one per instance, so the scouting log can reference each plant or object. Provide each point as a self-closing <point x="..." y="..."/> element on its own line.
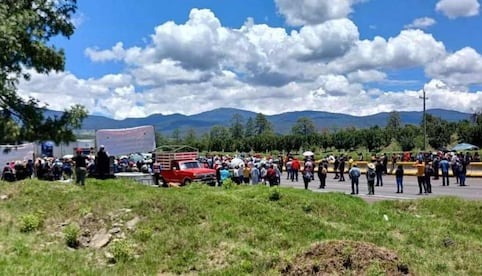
<point x="183" y="167"/>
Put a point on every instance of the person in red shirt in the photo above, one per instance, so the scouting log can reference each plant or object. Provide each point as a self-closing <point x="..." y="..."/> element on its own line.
<point x="295" y="168"/>
<point x="271" y="175"/>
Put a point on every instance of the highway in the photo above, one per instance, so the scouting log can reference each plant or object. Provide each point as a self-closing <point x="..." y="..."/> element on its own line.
<point x="388" y="192"/>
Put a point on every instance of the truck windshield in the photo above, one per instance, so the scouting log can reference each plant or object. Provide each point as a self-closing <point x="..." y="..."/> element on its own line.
<point x="190" y="165"/>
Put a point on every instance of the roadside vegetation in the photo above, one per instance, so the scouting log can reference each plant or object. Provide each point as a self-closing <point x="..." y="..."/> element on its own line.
<point x="117" y="227"/>
<point x="257" y="135"/>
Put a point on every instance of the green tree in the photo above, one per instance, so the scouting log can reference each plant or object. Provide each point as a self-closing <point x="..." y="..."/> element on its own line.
<point x="408" y="137"/>
<point x="161" y="139"/>
<point x="470" y="132"/>
<point x="9" y="130"/>
<point x="26" y="27"/>
<point x="176" y="136"/>
<point x="372" y="138"/>
<point x="249" y="130"/>
<point x="220" y="139"/>
<point x="237" y="129"/>
<point x="438" y="131"/>
<point x="190" y="138"/>
<point x="394" y="124"/>
<point x="262" y="125"/>
<point x="304" y="126"/>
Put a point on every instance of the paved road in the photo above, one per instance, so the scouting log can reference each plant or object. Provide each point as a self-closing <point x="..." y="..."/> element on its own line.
<point x="472" y="192"/>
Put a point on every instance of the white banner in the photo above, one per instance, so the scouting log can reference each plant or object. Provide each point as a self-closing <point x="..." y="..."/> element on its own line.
<point x="126" y="140"/>
<point x="22" y="152"/>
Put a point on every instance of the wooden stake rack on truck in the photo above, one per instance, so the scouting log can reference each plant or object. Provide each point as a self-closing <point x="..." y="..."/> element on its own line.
<point x="179" y="164"/>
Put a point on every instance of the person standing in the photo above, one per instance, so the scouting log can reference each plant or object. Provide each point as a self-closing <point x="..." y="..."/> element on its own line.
<point x="102" y="163"/>
<point x="80" y="167"/>
<point x="263" y="173"/>
<point x="394" y="162"/>
<point x="379" y="170"/>
<point x="271" y="175"/>
<point x="462" y="170"/>
<point x="427" y="176"/>
<point x="385" y="163"/>
<point x="354" y="174"/>
<point x="341" y="168"/>
<point x="236" y="175"/>
<point x="322" y="174"/>
<point x="444" y="166"/>
<point x="453" y="164"/>
<point x="277" y="173"/>
<point x="420" y="177"/>
<point x="436" y="167"/>
<point x="246" y="174"/>
<point x="295" y="167"/>
<point x="399" y="179"/>
<point x="224" y="174"/>
<point x="371" y="175"/>
<point x="335" y="167"/>
<point x="254" y="175"/>
<point x="156" y="170"/>
<point x="306" y="177"/>
<point x="288" y="168"/>
<point x="309" y="165"/>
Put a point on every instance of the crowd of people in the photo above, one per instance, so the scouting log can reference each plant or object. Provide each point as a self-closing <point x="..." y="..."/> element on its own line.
<point x="83" y="164"/>
<point x="269" y="171"/>
<point x="247" y="169"/>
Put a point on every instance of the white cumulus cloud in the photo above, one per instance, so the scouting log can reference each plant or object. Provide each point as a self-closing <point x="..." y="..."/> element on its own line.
<point x="421" y="23"/>
<point x="200" y="64"/>
<point x="458" y="8"/>
<point x="309" y="12"/>
<point x="463" y="67"/>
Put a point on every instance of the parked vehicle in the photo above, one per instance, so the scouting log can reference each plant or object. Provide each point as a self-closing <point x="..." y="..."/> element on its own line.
<point x="179" y="164"/>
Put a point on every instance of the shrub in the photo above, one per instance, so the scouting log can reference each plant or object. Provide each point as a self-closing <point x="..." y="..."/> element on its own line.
<point x="229" y="184"/>
<point x="122" y="250"/>
<point x="274" y="195"/>
<point x="307" y="207"/>
<point x="29" y="223"/>
<point x="85" y="210"/>
<point x="71" y="234"/>
<point x="144" y="234"/>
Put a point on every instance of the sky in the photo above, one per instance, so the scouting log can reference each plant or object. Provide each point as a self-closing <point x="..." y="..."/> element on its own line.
<point x="131" y="58"/>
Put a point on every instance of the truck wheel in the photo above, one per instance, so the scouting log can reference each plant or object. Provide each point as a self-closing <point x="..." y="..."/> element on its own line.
<point x="187" y="181"/>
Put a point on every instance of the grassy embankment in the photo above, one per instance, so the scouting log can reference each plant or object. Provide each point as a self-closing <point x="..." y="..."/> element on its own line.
<point x="222" y="231"/>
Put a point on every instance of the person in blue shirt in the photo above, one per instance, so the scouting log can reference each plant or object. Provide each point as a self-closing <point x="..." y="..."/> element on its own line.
<point x="354" y="175"/>
<point x="399" y="179"/>
<point x="444" y="166"/>
<point x="224" y="174"/>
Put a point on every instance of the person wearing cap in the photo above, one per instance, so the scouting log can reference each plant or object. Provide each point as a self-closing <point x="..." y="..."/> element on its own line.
<point x="371" y="175"/>
<point x="80" y="167"/>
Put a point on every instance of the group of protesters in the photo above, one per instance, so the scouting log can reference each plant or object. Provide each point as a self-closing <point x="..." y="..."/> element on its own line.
<point x="257" y="170"/>
<point x="269" y="171"/>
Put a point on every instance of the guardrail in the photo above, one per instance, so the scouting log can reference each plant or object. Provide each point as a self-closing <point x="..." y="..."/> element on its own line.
<point x="474" y="169"/>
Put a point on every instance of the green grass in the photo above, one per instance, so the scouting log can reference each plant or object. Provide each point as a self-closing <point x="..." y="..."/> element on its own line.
<point x="241" y="230"/>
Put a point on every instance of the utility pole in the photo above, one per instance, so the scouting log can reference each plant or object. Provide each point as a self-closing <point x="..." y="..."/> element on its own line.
<point x="424" y="121"/>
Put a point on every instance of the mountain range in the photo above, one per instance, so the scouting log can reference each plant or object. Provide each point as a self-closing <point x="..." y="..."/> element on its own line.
<point x="282" y="123"/>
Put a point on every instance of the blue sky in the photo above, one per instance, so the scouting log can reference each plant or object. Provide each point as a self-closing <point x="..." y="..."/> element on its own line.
<point x="135" y="58"/>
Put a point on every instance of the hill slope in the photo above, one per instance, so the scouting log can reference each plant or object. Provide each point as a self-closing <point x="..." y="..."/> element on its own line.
<point x="223" y="231"/>
<point x="282" y="123"/>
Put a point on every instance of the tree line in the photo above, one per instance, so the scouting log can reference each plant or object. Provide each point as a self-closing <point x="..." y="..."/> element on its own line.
<point x="256" y="134"/>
